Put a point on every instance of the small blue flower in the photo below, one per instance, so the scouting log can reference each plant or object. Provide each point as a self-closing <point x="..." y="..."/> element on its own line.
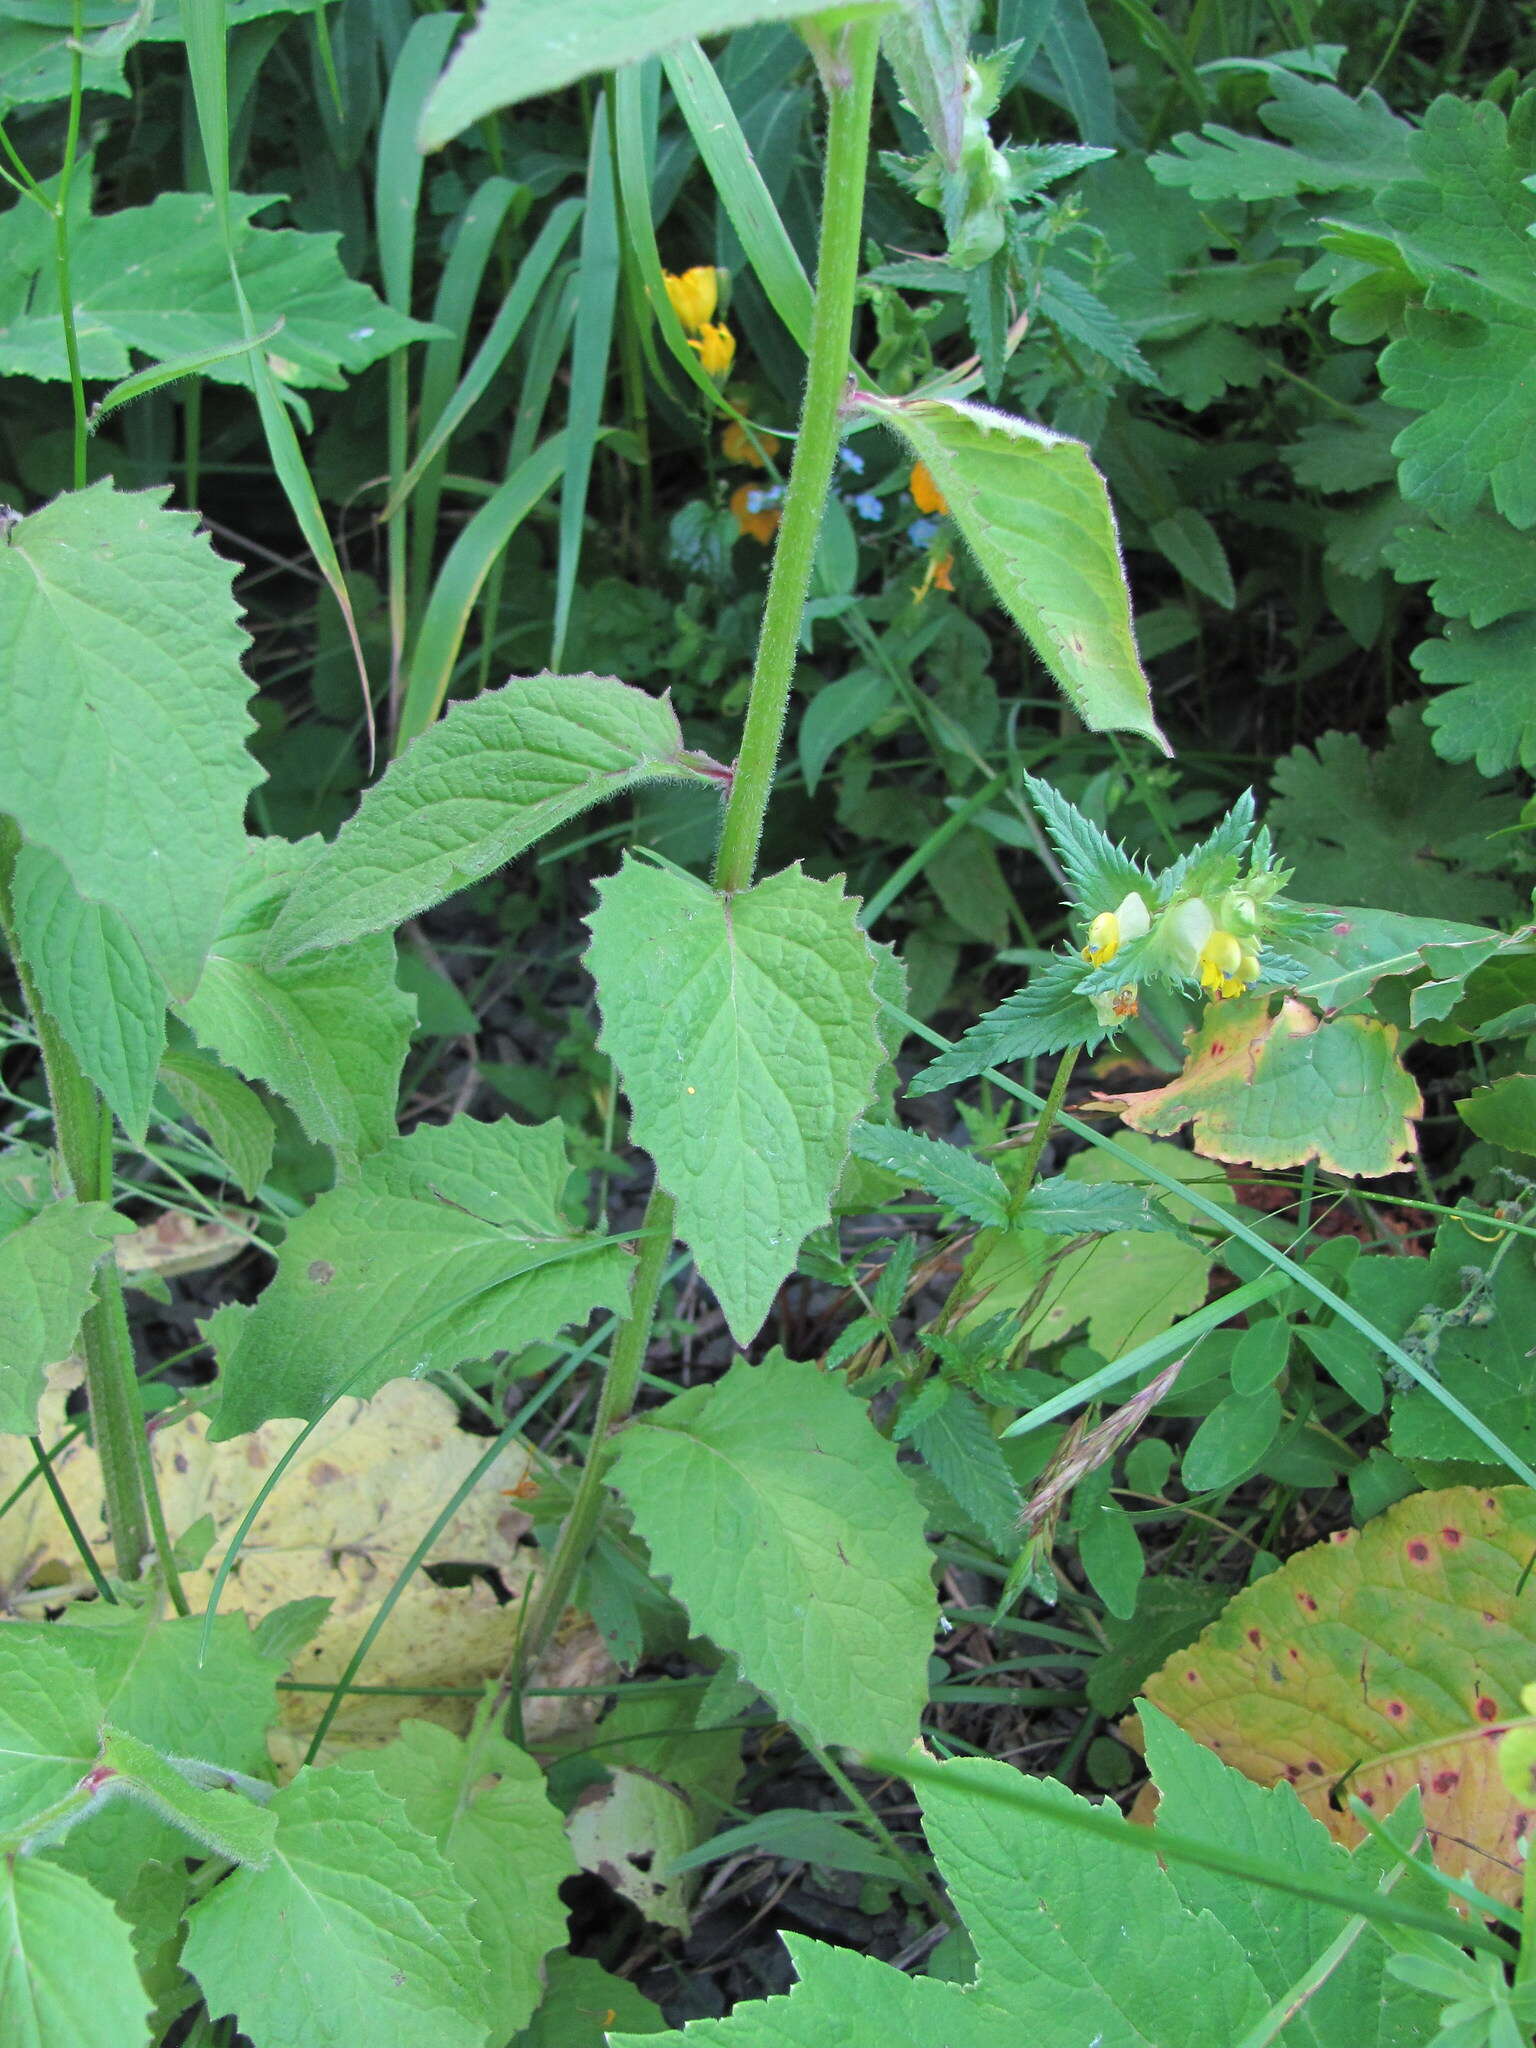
<point x="922" y="531"/>
<point x="868" y="506"/>
<point x="851" y="460"/>
<point x="764" y="500"/>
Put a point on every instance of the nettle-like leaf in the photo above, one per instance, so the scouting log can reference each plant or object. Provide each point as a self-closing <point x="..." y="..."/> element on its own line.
<point x="777" y="1511"/>
<point x="1077" y="1939"/>
<point x="1045" y="1016"/>
<point x="50" y="1718"/>
<point x="448" y="1244"/>
<point x="48" y="1261"/>
<point x="1397" y="827"/>
<point x="1125" y="1286"/>
<point x="67" y="1972"/>
<point x="329" y="1035"/>
<point x="236" y="1120"/>
<point x="154" y="281"/>
<point x="1332" y="141"/>
<point x="1275" y="1091"/>
<point x="962" y="1182"/>
<point x="95" y="984"/>
<point x="482" y="1800"/>
<point x="122" y="713"/>
<point x="1393" y="1655"/>
<point x="745" y="1031"/>
<point x="371" y="1924"/>
<point x="1281" y="1935"/>
<point x="477" y="789"/>
<point x="1036" y="514"/>
<point x="1465" y="364"/>
<point x="520" y="48"/>
<point x="1487" y="713"/>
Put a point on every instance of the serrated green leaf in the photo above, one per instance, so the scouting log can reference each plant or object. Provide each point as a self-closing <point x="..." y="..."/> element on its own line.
<point x="1046" y="1015"/>
<point x="50" y="1720"/>
<point x="957" y="1445"/>
<point x="328" y="1035"/>
<point x="1488" y="713"/>
<point x="154" y="281"/>
<point x="1100" y="873"/>
<point x="449" y="1243"/>
<point x="95" y="984"/>
<point x="1335" y="141"/>
<point x="122" y="713"/>
<point x="236" y="1120"/>
<point x="1280" y="1933"/>
<point x="67" y="1974"/>
<point x="1124" y="1286"/>
<point x="372" y="1924"/>
<point x="47" y="1265"/>
<point x="1034" y="511"/>
<point x="1481" y="570"/>
<point x="744" y="1029"/>
<point x="1466" y="359"/>
<point x="1397" y="826"/>
<point x="482" y="1801"/>
<point x="777" y="1511"/>
<point x="959" y="1179"/>
<point x="519" y="48"/>
<point x="1066" y="1207"/>
<point x="474" y="791"/>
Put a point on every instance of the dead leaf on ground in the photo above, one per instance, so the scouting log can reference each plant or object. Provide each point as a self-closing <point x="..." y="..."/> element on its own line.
<point x="342" y="1522"/>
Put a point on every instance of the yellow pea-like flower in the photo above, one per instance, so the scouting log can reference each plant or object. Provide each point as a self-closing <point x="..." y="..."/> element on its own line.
<point x="694" y="295"/>
<point x="926" y="494"/>
<point x="715" y="347"/>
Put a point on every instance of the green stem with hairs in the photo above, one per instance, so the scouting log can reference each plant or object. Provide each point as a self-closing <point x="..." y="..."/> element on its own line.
<point x="61" y="243"/>
<point x="849" y="78"/>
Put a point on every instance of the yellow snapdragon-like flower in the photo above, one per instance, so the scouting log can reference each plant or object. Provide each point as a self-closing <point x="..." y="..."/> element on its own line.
<point x="1111" y="929"/>
<point x="736" y="445"/>
<point x="694" y="295"/>
<point x="715" y="347"/>
<point x="1227" y="967"/>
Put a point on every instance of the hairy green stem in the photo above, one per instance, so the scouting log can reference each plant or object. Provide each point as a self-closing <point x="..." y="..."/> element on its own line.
<point x="850" y="90"/>
<point x="61" y="241"/>
<point x="83" y="1129"/>
<point x="620" y="1381"/>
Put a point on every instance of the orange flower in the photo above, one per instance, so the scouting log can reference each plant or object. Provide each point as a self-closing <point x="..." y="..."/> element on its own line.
<point x="935" y="577"/>
<point x="926" y="494"/>
<point x="715" y="348"/>
<point x="735" y="446"/>
<point x="752" y="516"/>
<point x="694" y="295"/>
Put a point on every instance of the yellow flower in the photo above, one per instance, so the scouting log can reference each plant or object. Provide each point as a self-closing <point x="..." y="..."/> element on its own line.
<point x="694" y="295"/>
<point x="716" y="349"/>
<point x="935" y="577"/>
<point x="736" y="446"/>
<point x="926" y="494"/>
<point x="1227" y="967"/>
<point x="752" y="516"/>
<point x="1111" y="928"/>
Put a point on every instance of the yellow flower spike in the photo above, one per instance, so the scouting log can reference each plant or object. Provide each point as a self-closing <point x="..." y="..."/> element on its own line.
<point x="1103" y="939"/>
<point x="926" y="494"/>
<point x="715" y="348"/>
<point x="694" y="295"/>
<point x="736" y="446"/>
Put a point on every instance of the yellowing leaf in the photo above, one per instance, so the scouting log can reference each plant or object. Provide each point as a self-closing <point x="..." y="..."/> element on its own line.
<point x="341" y="1522"/>
<point x="1277" y="1091"/>
<point x="1392" y="1656"/>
